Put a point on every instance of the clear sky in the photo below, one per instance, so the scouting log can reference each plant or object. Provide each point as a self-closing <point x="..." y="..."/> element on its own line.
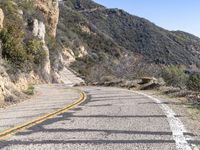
<point x="170" y="14"/>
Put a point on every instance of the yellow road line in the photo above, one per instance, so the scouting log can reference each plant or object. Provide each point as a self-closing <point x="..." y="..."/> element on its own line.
<point x="12" y="131"/>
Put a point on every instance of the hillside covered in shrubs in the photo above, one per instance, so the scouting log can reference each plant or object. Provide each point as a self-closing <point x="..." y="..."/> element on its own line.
<point x="101" y="42"/>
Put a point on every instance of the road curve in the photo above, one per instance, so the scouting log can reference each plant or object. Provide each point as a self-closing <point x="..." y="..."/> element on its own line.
<point x="111" y="119"/>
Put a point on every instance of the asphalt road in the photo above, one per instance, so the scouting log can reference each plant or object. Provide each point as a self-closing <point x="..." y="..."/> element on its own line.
<point x="111" y="119"/>
<point x="48" y="99"/>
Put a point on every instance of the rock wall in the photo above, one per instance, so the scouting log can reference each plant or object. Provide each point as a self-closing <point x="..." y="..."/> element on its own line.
<point x="50" y="10"/>
<point x="1" y="19"/>
<point x="46" y="68"/>
<point x="10" y="85"/>
<point x="41" y="28"/>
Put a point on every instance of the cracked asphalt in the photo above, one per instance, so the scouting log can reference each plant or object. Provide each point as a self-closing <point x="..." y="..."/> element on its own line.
<point x="111" y="119"/>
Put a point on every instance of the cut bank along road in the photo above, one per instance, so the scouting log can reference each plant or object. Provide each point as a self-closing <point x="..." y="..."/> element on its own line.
<point x="112" y="119"/>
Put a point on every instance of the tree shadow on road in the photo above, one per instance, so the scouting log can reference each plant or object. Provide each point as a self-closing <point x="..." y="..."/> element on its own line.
<point x="70" y="115"/>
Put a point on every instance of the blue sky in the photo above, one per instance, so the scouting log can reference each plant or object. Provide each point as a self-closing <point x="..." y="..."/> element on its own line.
<point x="170" y="14"/>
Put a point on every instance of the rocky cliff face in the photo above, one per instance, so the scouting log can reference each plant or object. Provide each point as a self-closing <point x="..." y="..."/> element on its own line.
<point x="50" y="10"/>
<point x="1" y="19"/>
<point x="38" y="23"/>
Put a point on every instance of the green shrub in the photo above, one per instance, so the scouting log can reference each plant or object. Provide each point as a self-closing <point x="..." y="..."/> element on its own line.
<point x="27" y="5"/>
<point x="30" y="90"/>
<point x="8" y="6"/>
<point x="193" y="82"/>
<point x="12" y="37"/>
<point x="13" y="49"/>
<point x="175" y="76"/>
<point x="20" y="53"/>
<point x="36" y="52"/>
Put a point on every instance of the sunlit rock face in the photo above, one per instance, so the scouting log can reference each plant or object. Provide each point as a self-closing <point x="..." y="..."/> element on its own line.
<point x="1" y="19"/>
<point x="39" y="30"/>
<point x="50" y="10"/>
<point x="40" y="27"/>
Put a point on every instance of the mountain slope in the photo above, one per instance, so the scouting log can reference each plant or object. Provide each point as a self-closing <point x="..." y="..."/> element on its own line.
<point x="139" y="35"/>
<point x="98" y="42"/>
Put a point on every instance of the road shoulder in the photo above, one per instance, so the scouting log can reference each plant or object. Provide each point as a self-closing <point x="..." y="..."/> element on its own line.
<point x="188" y="115"/>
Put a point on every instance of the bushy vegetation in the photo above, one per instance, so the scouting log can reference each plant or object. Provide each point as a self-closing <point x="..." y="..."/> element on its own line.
<point x="34" y="49"/>
<point x="21" y="54"/>
<point x="12" y="37"/>
<point x="12" y="48"/>
<point x="114" y="34"/>
<point x="175" y="76"/>
<point x="81" y="4"/>
<point x="99" y="46"/>
<point x="193" y="82"/>
<point x="30" y="90"/>
<point x="27" y="5"/>
<point x="130" y="67"/>
<point x="141" y="36"/>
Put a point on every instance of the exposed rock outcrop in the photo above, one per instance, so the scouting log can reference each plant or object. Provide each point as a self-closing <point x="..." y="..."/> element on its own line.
<point x="68" y="56"/>
<point x="1" y="19"/>
<point x="42" y="26"/>
<point x="46" y="68"/>
<point x="82" y="52"/>
<point x="39" y="30"/>
<point x="50" y="10"/>
<point x="8" y="90"/>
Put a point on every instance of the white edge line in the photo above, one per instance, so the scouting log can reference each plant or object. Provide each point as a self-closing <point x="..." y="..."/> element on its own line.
<point x="175" y="124"/>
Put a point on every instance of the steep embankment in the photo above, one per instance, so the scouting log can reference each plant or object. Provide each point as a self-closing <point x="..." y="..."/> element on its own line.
<point x="28" y="29"/>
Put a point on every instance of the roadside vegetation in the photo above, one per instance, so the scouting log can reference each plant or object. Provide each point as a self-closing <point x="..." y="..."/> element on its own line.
<point x="175" y="76"/>
<point x="30" y="90"/>
<point x="172" y="80"/>
<point x="183" y="84"/>
<point x="20" y="50"/>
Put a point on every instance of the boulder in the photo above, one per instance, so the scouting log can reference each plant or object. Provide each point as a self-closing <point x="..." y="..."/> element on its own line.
<point x="150" y="83"/>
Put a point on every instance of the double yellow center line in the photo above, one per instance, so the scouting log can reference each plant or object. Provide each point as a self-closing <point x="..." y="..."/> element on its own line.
<point x="12" y="131"/>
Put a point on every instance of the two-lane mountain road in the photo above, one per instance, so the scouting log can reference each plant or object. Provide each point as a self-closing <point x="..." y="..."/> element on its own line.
<point x="110" y="119"/>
